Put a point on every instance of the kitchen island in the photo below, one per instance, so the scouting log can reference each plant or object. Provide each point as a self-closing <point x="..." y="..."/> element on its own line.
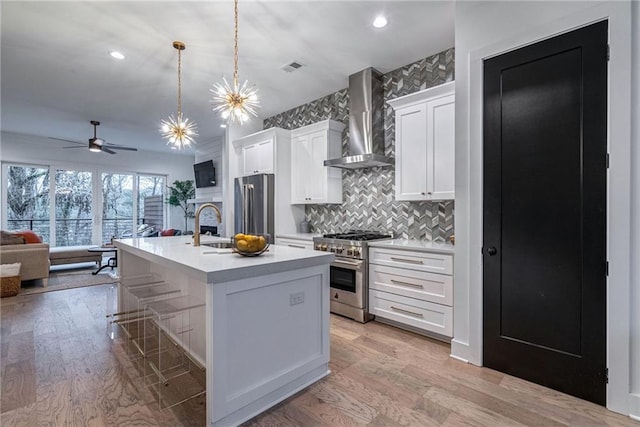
<point x="264" y="331"/>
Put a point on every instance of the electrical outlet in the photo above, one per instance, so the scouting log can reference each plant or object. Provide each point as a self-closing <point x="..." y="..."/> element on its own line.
<point x="297" y="298"/>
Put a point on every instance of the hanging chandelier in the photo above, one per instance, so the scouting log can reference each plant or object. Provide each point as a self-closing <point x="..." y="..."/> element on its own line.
<point x="236" y="103"/>
<point x="178" y="130"/>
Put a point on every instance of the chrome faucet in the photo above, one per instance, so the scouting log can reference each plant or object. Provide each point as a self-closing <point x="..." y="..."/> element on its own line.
<point x="196" y="232"/>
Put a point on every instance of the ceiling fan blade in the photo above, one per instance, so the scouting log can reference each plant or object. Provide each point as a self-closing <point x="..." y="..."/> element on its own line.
<point x="68" y="140"/>
<point x="74" y="146"/>
<point x="120" y="148"/>
<point x="106" y="150"/>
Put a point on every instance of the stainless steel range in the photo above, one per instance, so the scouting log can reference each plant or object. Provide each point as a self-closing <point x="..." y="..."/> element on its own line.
<point x="349" y="274"/>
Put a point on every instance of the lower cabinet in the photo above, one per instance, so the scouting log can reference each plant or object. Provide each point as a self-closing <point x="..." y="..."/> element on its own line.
<point x="295" y="243"/>
<point x="412" y="288"/>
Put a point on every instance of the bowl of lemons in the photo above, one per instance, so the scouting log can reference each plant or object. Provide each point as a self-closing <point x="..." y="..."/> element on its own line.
<point x="250" y="244"/>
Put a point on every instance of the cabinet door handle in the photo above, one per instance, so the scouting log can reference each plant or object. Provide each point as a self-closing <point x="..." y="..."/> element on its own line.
<point x="402" y="310"/>
<point x="422" y="193"/>
<point x="410" y="261"/>
<point x="429" y="192"/>
<point x="413" y="285"/>
<point x="295" y="246"/>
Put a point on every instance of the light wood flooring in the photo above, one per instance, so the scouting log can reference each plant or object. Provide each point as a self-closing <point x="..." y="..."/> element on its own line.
<point x="59" y="367"/>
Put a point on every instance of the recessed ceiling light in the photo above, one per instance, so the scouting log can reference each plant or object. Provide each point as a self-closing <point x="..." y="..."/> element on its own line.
<point x="223" y="126"/>
<point x="116" y="54"/>
<point x="380" y="21"/>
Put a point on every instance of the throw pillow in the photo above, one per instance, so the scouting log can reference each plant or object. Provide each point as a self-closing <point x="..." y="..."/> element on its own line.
<point x="30" y="236"/>
<point x="10" y="270"/>
<point x="10" y="239"/>
<point x="167" y="232"/>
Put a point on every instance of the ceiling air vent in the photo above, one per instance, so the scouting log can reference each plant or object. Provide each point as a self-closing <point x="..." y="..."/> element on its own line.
<point x="291" y="66"/>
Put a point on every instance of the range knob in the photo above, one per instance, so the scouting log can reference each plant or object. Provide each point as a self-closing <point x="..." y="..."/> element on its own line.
<point x="339" y="250"/>
<point x="332" y="249"/>
<point x="356" y="252"/>
<point x="318" y="247"/>
<point x="350" y="252"/>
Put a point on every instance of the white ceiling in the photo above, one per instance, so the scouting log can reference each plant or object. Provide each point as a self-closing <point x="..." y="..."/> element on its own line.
<point x="57" y="74"/>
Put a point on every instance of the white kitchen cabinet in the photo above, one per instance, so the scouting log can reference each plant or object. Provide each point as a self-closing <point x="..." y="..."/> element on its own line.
<point x="412" y="289"/>
<point x="425" y="144"/>
<point x="311" y="181"/>
<point x="257" y="157"/>
<point x="295" y="243"/>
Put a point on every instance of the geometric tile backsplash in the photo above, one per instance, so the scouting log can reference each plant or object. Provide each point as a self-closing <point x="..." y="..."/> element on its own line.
<point x="369" y="194"/>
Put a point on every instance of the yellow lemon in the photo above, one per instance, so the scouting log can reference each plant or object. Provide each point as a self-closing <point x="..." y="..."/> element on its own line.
<point x="242" y="245"/>
<point x="262" y="242"/>
<point x="239" y="236"/>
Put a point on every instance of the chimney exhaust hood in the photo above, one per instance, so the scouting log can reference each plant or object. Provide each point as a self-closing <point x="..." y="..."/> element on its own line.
<point x="366" y="123"/>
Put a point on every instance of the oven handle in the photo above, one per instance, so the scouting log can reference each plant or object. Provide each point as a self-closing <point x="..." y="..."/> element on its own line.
<point x="357" y="264"/>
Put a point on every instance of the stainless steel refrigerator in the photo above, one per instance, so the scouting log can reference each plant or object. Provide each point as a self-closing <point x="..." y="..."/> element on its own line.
<point x="253" y="206"/>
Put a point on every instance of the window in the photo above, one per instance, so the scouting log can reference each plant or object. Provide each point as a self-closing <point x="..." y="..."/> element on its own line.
<point x="27" y="195"/>
<point x="73" y="208"/>
<point x="80" y="207"/>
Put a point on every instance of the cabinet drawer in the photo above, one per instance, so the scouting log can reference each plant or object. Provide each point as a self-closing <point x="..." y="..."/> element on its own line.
<point x="425" y="286"/>
<point x="419" y="314"/>
<point x="423" y="261"/>
<point x="295" y="243"/>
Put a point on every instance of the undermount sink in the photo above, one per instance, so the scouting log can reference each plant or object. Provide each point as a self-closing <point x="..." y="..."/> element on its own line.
<point x="218" y="245"/>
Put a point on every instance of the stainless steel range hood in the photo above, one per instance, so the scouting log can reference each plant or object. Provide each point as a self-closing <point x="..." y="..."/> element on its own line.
<point x="366" y="123"/>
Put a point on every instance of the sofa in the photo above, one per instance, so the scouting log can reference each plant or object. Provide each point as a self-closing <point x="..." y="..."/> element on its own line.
<point x="34" y="258"/>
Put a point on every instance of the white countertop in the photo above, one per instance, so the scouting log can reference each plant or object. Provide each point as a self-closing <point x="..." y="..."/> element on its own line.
<point x="415" y="245"/>
<point x="299" y="236"/>
<point x="213" y="266"/>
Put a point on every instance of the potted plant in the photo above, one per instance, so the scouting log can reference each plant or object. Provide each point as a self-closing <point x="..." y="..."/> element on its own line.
<point x="179" y="194"/>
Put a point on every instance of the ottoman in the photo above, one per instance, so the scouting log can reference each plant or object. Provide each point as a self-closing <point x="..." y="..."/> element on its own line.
<point x="73" y="254"/>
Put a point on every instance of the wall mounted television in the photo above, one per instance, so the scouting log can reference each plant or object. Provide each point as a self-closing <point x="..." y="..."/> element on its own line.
<point x="205" y="174"/>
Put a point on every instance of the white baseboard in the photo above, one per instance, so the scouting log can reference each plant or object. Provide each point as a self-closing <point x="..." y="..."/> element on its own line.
<point x="634" y="406"/>
<point x="460" y="350"/>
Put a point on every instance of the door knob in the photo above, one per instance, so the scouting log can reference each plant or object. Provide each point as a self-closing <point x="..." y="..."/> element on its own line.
<point x="492" y="251"/>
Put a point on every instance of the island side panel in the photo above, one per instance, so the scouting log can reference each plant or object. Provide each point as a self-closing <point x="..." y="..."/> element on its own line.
<point x="270" y="340"/>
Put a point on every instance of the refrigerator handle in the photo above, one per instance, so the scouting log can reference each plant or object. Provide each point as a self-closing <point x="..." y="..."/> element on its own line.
<point x="247" y="211"/>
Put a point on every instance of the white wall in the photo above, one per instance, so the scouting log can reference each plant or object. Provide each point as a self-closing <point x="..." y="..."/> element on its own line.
<point x="634" y="400"/>
<point x="31" y="149"/>
<point x="212" y="150"/>
<point x="485" y="29"/>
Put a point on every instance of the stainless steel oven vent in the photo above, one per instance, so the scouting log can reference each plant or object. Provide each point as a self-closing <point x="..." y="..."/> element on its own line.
<point x="366" y="123"/>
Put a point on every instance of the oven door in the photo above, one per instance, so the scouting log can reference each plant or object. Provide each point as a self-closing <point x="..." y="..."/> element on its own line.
<point x="347" y="278"/>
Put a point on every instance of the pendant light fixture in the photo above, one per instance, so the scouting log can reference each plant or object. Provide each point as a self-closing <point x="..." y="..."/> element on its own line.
<point x="178" y="130"/>
<point x="238" y="102"/>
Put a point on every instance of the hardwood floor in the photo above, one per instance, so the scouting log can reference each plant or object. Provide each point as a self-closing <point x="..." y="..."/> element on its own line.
<point x="59" y="367"/>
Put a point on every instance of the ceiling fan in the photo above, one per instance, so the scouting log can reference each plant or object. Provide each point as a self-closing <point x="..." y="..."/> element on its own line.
<point x="97" y="144"/>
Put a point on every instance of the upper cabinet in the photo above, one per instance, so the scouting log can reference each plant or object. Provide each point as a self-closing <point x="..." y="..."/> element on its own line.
<point x="425" y="144"/>
<point x="311" y="181"/>
<point x="257" y="153"/>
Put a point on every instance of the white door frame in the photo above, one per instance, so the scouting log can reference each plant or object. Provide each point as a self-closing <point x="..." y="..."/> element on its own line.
<point x="467" y="342"/>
